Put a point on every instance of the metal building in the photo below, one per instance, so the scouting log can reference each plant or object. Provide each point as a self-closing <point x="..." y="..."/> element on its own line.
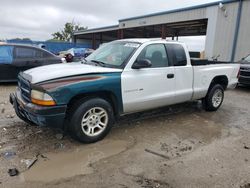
<point x="226" y="25"/>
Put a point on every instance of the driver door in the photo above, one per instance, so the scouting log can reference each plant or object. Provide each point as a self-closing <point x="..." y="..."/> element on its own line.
<point x="152" y="87"/>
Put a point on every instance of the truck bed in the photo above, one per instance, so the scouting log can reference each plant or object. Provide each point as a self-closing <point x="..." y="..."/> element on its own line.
<point x="205" y="71"/>
<point x="200" y="62"/>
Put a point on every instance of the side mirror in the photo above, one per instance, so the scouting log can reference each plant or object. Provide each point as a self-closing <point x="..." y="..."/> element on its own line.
<point x="143" y="63"/>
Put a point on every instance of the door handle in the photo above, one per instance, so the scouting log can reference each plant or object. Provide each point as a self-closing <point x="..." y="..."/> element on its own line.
<point x="170" y="76"/>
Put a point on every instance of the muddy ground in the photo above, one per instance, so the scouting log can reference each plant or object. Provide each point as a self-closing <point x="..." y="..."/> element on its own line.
<point x="177" y="146"/>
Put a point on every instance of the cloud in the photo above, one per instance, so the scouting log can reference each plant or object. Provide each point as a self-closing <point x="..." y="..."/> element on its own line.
<point x="38" y="19"/>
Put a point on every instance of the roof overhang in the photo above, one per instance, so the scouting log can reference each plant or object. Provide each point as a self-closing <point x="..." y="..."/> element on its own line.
<point x="113" y="28"/>
<point x="179" y="10"/>
<point x="100" y="29"/>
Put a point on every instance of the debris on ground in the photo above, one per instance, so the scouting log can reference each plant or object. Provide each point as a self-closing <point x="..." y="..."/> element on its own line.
<point x="245" y="185"/>
<point x="122" y="185"/>
<point x="42" y="156"/>
<point x="38" y="132"/>
<point x="3" y="110"/>
<point x="59" y="146"/>
<point x="246" y="147"/>
<point x="187" y="148"/>
<point x="9" y="154"/>
<point x="158" y="154"/>
<point x="29" y="162"/>
<point x="150" y="183"/>
<point x="13" y="172"/>
<point x="179" y="148"/>
<point x="4" y="129"/>
<point x="59" y="136"/>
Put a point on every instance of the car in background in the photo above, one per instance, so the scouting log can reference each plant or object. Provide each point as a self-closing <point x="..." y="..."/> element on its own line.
<point x="88" y="52"/>
<point x="15" y="58"/>
<point x="76" y="54"/>
<point x="244" y="77"/>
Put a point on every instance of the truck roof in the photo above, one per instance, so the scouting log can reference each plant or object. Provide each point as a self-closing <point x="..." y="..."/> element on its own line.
<point x="144" y="40"/>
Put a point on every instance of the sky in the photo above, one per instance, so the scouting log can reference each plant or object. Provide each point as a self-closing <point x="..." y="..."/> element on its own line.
<point x="39" y="19"/>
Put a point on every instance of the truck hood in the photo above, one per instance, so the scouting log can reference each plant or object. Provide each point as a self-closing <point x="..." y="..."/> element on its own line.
<point x="246" y="65"/>
<point x="50" y="72"/>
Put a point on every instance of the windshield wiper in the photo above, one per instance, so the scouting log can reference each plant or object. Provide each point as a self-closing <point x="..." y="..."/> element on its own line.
<point x="83" y="60"/>
<point x="99" y="63"/>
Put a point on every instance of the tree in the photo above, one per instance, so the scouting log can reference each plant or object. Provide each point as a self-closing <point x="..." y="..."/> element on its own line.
<point x="21" y="39"/>
<point x="67" y="32"/>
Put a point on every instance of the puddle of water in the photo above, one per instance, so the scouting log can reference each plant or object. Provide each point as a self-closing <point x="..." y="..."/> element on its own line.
<point x="65" y="165"/>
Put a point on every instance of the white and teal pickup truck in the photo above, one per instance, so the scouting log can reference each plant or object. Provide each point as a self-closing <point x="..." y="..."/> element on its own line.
<point x="120" y="77"/>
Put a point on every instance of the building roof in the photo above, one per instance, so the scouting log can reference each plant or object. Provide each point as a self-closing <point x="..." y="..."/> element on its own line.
<point x="179" y="10"/>
<point x="100" y="29"/>
<point x="115" y="27"/>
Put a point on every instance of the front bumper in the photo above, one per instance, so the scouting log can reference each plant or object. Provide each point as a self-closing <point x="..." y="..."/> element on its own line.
<point x="39" y="115"/>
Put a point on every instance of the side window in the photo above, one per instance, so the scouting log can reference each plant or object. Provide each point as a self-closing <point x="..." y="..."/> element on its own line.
<point x="177" y="53"/>
<point x="46" y="55"/>
<point x="24" y="53"/>
<point x="6" y="54"/>
<point x="39" y="54"/>
<point x="156" y="53"/>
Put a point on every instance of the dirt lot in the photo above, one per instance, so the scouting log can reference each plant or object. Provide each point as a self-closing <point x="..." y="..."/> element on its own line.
<point x="178" y="146"/>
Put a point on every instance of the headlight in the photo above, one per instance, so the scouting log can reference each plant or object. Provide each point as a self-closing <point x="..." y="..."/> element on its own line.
<point x="41" y="98"/>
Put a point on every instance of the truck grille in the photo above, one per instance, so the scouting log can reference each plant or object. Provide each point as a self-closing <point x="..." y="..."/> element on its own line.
<point x="245" y="72"/>
<point x="24" y="87"/>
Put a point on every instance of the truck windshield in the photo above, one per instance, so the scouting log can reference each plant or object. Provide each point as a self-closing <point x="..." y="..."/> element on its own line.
<point x="113" y="54"/>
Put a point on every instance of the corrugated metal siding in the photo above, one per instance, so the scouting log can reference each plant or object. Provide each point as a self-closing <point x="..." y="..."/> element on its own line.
<point x="212" y="13"/>
<point x="168" y="18"/>
<point x="101" y="29"/>
<point x="225" y="29"/>
<point x="243" y="45"/>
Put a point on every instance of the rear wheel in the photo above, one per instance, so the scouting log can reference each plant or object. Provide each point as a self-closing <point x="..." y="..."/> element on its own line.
<point x="91" y="120"/>
<point x="214" y="98"/>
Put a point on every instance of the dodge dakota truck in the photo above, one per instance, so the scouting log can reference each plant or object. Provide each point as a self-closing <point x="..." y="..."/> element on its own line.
<point x="121" y="77"/>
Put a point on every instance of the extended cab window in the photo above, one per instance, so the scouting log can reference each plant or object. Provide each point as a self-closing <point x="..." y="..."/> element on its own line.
<point x="6" y="54"/>
<point x="177" y="54"/>
<point x="156" y="53"/>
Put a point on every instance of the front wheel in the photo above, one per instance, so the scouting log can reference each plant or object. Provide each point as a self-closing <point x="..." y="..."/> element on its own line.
<point x="91" y="120"/>
<point x="214" y="98"/>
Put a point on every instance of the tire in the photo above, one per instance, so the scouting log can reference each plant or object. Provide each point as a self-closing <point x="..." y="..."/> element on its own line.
<point x="214" y="98"/>
<point x="91" y="120"/>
